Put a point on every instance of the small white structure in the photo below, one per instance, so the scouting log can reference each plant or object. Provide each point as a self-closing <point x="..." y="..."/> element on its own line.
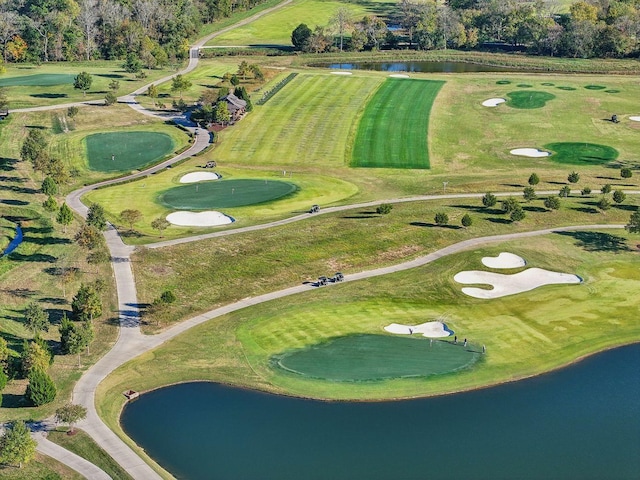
<point x="635" y="118"/>
<point x="341" y="73"/>
<point x="529" y="152"/>
<point x="428" y="329"/>
<point x="194" y="177"/>
<point x="504" y="260"/>
<point x="209" y="218"/>
<point x="493" y="102"/>
<point x="399" y="75"/>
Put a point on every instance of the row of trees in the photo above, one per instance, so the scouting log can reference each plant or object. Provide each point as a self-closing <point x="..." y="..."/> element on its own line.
<point x="592" y="28"/>
<point x="155" y="31"/>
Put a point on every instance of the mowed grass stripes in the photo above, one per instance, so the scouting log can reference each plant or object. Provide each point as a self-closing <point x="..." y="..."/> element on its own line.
<point x="393" y="130"/>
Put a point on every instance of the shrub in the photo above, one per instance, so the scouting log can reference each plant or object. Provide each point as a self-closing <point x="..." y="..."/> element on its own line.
<point x="619" y="196"/>
<point x="517" y="214"/>
<point x="466" y="221"/>
<point x="565" y="191"/>
<point x="110" y="98"/>
<point x="574" y="177"/>
<point x="606" y="189"/>
<point x="509" y="205"/>
<point x="586" y="191"/>
<point x="626" y="172"/>
<point x="529" y="194"/>
<point x="604" y="204"/>
<point x="534" y="179"/>
<point x="489" y="200"/>
<point x="441" y="218"/>
<point x="552" y="202"/>
<point x="384" y="209"/>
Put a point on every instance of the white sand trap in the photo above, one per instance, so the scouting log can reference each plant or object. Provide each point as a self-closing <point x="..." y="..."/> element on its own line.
<point x="429" y="329"/>
<point x="635" y="118"/>
<point x="199" y="219"/>
<point x="399" y="75"/>
<point x="504" y="285"/>
<point x="504" y="260"/>
<point x="529" y="152"/>
<point x="341" y="73"/>
<point x="493" y="102"/>
<point x="199" y="177"/>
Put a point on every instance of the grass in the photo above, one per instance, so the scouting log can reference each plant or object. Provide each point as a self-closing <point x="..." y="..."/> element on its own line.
<point x="38" y="80"/>
<point x="226" y="194"/>
<point x="276" y="27"/>
<point x="126" y="151"/>
<point x="42" y="468"/>
<point x="392" y="132"/>
<point x="576" y="153"/>
<point x="357" y="358"/>
<point x="529" y="99"/>
<point x="83" y="445"/>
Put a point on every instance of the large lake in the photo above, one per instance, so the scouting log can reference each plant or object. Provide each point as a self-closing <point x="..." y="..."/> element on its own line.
<point x="581" y="422"/>
<point x="424" y="67"/>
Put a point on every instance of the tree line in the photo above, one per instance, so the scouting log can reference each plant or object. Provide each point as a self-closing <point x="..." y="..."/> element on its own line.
<point x="591" y="28"/>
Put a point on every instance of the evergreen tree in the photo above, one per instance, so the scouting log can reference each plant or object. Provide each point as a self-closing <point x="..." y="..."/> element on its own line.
<point x="96" y="217"/>
<point x="517" y="214"/>
<point x="41" y="389"/>
<point x="574" y="177"/>
<point x="489" y="200"/>
<point x="466" y="221"/>
<point x="534" y="179"/>
<point x="64" y="217"/>
<point x="49" y="186"/>
<point x="35" y="318"/>
<point x="634" y="223"/>
<point x="441" y="218"/>
<point x="529" y="194"/>
<point x="50" y="205"/>
<point x="86" y="305"/>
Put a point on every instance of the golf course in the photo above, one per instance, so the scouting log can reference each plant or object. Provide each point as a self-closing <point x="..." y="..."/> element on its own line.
<point x="342" y="235"/>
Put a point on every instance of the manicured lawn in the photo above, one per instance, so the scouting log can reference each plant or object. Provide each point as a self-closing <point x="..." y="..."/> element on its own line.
<point x="393" y="130"/>
<point x="126" y="151"/>
<point x="528" y="99"/>
<point x="226" y="194"/>
<point x="575" y="153"/>
<point x="41" y="468"/>
<point x="38" y="80"/>
<point x="368" y="357"/>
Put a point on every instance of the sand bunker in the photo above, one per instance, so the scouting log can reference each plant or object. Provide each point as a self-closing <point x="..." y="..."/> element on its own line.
<point x="504" y="260"/>
<point x="429" y="329"/>
<point x="529" y="152"/>
<point x="635" y="119"/>
<point x="341" y="73"/>
<point x="493" y="102"/>
<point x="399" y="75"/>
<point x="199" y="177"/>
<point x="199" y="219"/>
<point x="504" y="285"/>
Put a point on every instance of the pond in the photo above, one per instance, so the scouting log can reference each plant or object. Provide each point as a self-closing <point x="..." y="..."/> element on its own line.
<point x="581" y="422"/>
<point x="17" y="240"/>
<point x="424" y="67"/>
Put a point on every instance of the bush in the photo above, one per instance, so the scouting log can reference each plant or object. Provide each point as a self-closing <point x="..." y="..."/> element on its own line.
<point x="586" y="191"/>
<point x="168" y="297"/>
<point x="41" y="389"/>
<point x="604" y="204"/>
<point x="466" y="221"/>
<point x="565" y="191"/>
<point x="552" y="202"/>
<point x="574" y="177"/>
<point x="441" y="218"/>
<point x="606" y="189"/>
<point x="509" y="205"/>
<point x="384" y="209"/>
<point x="626" y="172"/>
<point x="72" y="111"/>
<point x="517" y="214"/>
<point x="110" y="98"/>
<point x="619" y="196"/>
<point x="533" y="179"/>
<point x="489" y="200"/>
<point x="529" y="194"/>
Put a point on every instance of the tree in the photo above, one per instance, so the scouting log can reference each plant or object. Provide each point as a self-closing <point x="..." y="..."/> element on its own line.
<point x="586" y="191"/>
<point x="88" y="237"/>
<point x="552" y="202"/>
<point x="98" y="257"/>
<point x="64" y="217"/>
<point x="49" y="186"/>
<point x="74" y="337"/>
<point x="606" y="189"/>
<point x="384" y="208"/>
<point x="152" y="92"/>
<point x="71" y="414"/>
<point x="574" y="177"/>
<point x="33" y="145"/>
<point x="179" y="83"/>
<point x="110" y="98"/>
<point x="619" y="196"/>
<point x="517" y="214"/>
<point x="131" y="216"/>
<point x="33" y="357"/>
<point x="340" y="22"/>
<point x="534" y="179"/>
<point x="4" y="354"/>
<point x="604" y="204"/>
<point x="634" y="223"/>
<point x="72" y="111"/>
<point x="86" y="305"/>
<point x="243" y="69"/>
<point x="160" y="224"/>
<point x="300" y="37"/>
<point x="83" y="82"/>
<point x="626" y="172"/>
<point x="235" y="81"/>
<point x="16" y="445"/>
<point x="509" y="205"/>
<point x="466" y="221"/>
<point x="565" y="191"/>
<point x="132" y="63"/>
<point x="96" y="216"/>
<point x="441" y="218"/>
<point x="41" y="389"/>
<point x="529" y="194"/>
<point x="221" y="113"/>
<point x="489" y="200"/>
<point x="114" y="85"/>
<point x="35" y="318"/>
<point x="257" y="72"/>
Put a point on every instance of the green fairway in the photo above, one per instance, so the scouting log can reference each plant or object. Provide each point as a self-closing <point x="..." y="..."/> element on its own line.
<point x="528" y="99"/>
<point x="393" y="130"/>
<point x="376" y="357"/>
<point x="38" y="80"/>
<point x="574" y="153"/>
<point x="225" y="194"/>
<point x="125" y="151"/>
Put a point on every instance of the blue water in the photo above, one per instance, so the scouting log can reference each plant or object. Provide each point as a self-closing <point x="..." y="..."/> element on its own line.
<point x="424" y="67"/>
<point x="14" y="243"/>
<point x="582" y="422"/>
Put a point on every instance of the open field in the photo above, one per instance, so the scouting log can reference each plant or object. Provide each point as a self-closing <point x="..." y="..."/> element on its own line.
<point x="276" y="28"/>
<point x="392" y="132"/>
<point x="103" y="72"/>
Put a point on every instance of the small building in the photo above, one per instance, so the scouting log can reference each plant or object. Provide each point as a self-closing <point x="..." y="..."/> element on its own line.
<point x="236" y="106"/>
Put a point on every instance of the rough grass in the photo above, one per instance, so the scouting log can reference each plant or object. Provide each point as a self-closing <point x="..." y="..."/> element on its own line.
<point x="529" y="99"/>
<point x="392" y="132"/>
<point x="83" y="445"/>
<point x="126" y="151"/>
<point x="575" y="153"/>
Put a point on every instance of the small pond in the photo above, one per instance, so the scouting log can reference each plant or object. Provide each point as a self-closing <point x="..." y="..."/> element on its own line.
<point x="17" y="240"/>
<point x="423" y="67"/>
<point x="581" y="422"/>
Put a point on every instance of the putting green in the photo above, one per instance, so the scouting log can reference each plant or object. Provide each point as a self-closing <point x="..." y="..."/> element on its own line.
<point x="595" y="87"/>
<point x="38" y="80"/>
<point x="393" y="130"/>
<point x="225" y="194"/>
<point x="529" y="99"/>
<point x="125" y="151"/>
<point x="581" y="153"/>
<point x="376" y="357"/>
